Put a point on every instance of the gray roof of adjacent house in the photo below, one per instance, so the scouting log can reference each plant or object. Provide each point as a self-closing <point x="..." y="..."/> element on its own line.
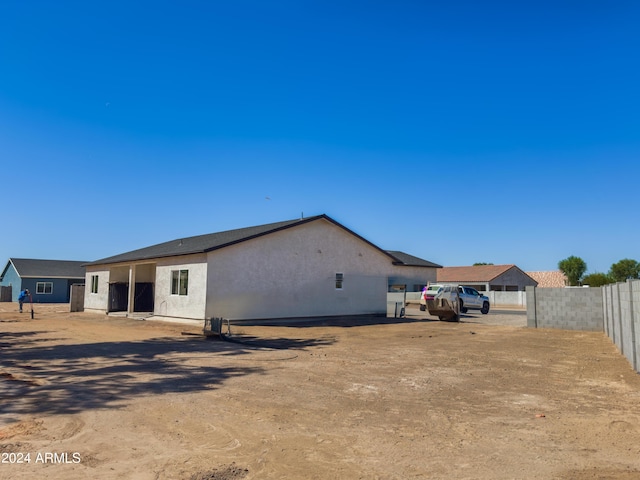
<point x="411" y="261"/>
<point x="33" y="268"/>
<point x="214" y="241"/>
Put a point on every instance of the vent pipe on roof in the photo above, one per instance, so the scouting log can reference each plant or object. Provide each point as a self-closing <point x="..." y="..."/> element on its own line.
<point x="180" y="244"/>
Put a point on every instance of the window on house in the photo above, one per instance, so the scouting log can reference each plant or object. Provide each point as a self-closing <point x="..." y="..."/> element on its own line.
<point x="339" y="280"/>
<point x="179" y="282"/>
<point x="44" y="288"/>
<point x="94" y="283"/>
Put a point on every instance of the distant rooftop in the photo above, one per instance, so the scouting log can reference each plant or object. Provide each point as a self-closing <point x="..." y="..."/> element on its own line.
<point x="34" y="268"/>
<point x="549" y="279"/>
<point x="476" y="273"/>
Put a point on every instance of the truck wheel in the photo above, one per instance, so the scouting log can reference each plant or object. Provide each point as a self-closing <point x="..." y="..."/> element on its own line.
<point x="485" y="308"/>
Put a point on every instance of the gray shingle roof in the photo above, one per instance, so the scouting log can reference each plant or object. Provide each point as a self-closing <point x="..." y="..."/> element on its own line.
<point x="411" y="261"/>
<point x="214" y="241"/>
<point x="33" y="268"/>
<point x="209" y="242"/>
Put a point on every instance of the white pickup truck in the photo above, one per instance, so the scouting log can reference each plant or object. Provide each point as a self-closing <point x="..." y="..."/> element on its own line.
<point x="470" y="298"/>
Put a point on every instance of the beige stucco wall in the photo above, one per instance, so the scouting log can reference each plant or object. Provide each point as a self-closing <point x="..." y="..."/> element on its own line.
<point x="119" y="273"/>
<point x="190" y="306"/>
<point x="146" y="272"/>
<point x="292" y="274"/>
<point x="284" y="274"/>
<point x="410" y="276"/>
<point x="96" y="301"/>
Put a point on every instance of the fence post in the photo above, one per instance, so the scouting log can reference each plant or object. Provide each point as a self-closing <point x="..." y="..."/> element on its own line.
<point x="614" y="319"/>
<point x="633" y="326"/>
<point x="620" y="320"/>
<point x="532" y="314"/>
<point x="614" y="333"/>
<point x="535" y="306"/>
<point x="605" y="310"/>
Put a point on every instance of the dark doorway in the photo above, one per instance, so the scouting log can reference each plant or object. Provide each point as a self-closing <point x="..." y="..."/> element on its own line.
<point x="6" y="294"/>
<point x="118" y="297"/>
<point x="143" y="297"/>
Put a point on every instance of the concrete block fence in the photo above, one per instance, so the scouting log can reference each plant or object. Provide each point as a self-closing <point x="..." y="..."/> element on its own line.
<point x="565" y="308"/>
<point x="613" y="309"/>
<point x="622" y="318"/>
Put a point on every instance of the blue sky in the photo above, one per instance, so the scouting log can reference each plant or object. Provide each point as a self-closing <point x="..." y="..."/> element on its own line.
<point x="459" y="131"/>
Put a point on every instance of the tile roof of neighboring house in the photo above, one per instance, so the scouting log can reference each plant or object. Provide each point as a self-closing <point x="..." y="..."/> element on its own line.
<point x="477" y="273"/>
<point x="32" y="268"/>
<point x="410" y="261"/>
<point x="214" y="241"/>
<point x="549" y="279"/>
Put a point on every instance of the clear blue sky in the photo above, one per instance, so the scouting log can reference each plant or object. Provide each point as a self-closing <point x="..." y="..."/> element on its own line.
<point x="458" y="131"/>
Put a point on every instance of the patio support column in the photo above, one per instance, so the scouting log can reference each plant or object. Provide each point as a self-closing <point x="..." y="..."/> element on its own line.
<point x="132" y="289"/>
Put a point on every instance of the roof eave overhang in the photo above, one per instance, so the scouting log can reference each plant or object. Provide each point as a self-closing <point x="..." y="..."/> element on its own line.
<point x="53" y="276"/>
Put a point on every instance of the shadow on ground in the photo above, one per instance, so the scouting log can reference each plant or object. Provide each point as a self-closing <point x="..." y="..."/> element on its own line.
<point x="63" y="379"/>
<point x="338" y="321"/>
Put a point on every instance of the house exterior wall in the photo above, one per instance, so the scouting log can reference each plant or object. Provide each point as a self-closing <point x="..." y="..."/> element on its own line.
<point x="60" y="291"/>
<point x="411" y="276"/>
<point x="12" y="278"/>
<point x="293" y="274"/>
<point x="190" y="306"/>
<point x="288" y="273"/>
<point x="513" y="277"/>
<point x="97" y="301"/>
<point x="60" y="287"/>
<point x="146" y="272"/>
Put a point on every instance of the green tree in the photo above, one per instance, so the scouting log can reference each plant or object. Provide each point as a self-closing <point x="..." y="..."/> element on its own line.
<point x="574" y="268"/>
<point x="597" y="279"/>
<point x="624" y="269"/>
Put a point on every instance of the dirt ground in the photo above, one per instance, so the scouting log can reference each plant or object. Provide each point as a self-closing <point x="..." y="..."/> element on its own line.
<point x="91" y="396"/>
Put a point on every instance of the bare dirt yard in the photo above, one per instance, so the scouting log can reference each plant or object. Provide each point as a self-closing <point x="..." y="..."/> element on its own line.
<point x="93" y="396"/>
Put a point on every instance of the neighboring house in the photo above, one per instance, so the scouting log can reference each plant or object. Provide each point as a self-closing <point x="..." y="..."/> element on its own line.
<point x="507" y="278"/>
<point x="49" y="281"/>
<point x="298" y="268"/>
<point x="411" y="273"/>
<point x="550" y="279"/>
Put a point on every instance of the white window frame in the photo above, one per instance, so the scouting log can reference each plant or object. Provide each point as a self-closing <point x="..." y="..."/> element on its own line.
<point x="94" y="283"/>
<point x="339" y="281"/>
<point x="180" y="282"/>
<point x="41" y="288"/>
